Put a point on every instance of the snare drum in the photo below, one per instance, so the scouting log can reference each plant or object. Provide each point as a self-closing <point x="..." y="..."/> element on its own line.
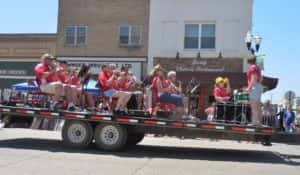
<point x="241" y="97"/>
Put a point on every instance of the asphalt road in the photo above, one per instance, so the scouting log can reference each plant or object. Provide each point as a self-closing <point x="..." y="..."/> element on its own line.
<point x="27" y="152"/>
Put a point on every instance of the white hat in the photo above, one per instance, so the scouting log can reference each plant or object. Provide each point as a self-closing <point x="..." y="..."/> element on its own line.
<point x="48" y="56"/>
<point x="171" y="73"/>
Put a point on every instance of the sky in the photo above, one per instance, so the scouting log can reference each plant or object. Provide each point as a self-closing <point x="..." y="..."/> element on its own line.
<point x="277" y="21"/>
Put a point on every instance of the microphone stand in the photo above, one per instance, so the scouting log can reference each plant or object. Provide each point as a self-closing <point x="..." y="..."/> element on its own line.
<point x="84" y="84"/>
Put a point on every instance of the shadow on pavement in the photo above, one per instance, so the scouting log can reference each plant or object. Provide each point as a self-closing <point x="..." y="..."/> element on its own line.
<point x="145" y="151"/>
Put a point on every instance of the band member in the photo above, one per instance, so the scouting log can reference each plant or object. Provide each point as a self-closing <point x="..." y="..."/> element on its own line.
<point x="63" y="74"/>
<point x="148" y="82"/>
<point x="107" y="79"/>
<point x="83" y="98"/>
<point x="131" y="80"/>
<point x="123" y="82"/>
<point x="222" y="90"/>
<point x="47" y="80"/>
<point x="153" y="73"/>
<point x="255" y="90"/>
<point x="127" y="82"/>
<point x="163" y="90"/>
<point x="176" y="85"/>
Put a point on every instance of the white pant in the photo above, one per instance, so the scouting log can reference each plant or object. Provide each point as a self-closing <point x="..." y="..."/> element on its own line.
<point x="50" y="87"/>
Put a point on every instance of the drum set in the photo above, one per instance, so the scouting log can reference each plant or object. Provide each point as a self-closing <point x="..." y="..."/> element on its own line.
<point x="236" y="111"/>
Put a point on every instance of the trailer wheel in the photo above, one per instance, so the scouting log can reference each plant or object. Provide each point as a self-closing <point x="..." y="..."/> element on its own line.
<point x="77" y="134"/>
<point x="134" y="138"/>
<point x="110" y="137"/>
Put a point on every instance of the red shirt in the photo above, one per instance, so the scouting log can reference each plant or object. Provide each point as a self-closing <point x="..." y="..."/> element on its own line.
<point x="102" y="78"/>
<point x="62" y="78"/>
<point x="74" y="80"/>
<point x="123" y="85"/>
<point x="254" y="70"/>
<point x="165" y="83"/>
<point x="39" y="70"/>
<point x="220" y="92"/>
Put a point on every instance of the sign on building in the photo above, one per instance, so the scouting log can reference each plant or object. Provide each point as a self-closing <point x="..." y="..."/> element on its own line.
<point x="135" y="64"/>
<point x="13" y="71"/>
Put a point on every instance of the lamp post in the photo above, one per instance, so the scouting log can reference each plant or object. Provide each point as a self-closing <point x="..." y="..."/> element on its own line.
<point x="249" y="39"/>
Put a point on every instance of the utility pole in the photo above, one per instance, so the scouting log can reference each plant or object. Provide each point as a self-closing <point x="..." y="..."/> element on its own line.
<point x="271" y="99"/>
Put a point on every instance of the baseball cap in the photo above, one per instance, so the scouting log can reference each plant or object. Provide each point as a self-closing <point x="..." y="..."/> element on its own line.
<point x="48" y="56"/>
<point x="219" y="80"/>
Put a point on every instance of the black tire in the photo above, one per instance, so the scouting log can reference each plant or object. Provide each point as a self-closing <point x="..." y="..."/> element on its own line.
<point x="77" y="134"/>
<point x="134" y="138"/>
<point x="110" y="137"/>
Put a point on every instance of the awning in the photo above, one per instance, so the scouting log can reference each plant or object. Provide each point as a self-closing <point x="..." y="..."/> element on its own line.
<point x="237" y="80"/>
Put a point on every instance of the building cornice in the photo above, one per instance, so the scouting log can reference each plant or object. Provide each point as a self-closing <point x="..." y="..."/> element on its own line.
<point x="27" y="37"/>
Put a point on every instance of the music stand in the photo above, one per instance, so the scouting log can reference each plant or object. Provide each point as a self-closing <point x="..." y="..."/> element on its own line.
<point x="84" y="77"/>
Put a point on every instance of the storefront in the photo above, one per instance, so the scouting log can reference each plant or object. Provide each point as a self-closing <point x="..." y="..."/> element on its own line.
<point x="14" y="71"/>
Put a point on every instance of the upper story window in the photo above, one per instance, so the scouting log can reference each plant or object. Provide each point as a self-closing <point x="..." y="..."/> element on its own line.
<point x="200" y="36"/>
<point x="76" y="35"/>
<point x="130" y="36"/>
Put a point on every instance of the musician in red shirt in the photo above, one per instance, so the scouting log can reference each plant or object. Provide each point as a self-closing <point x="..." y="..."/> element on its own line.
<point x="163" y="90"/>
<point x="108" y="83"/>
<point x="123" y="82"/>
<point x="128" y="82"/>
<point x="45" y="73"/>
<point x="222" y="90"/>
<point x="176" y="85"/>
<point x="71" y="91"/>
<point x="255" y="90"/>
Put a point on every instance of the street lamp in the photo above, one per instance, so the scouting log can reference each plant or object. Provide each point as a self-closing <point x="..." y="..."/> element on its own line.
<point x="257" y="40"/>
<point x="249" y="39"/>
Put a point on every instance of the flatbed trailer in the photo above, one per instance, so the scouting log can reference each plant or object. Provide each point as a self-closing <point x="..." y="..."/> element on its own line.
<point x="113" y="133"/>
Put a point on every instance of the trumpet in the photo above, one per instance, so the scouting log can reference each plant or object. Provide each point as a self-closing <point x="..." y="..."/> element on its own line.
<point x="52" y="66"/>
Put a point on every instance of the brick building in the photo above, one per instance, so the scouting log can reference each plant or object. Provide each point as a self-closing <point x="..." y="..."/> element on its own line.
<point x="19" y="53"/>
<point x="105" y="31"/>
